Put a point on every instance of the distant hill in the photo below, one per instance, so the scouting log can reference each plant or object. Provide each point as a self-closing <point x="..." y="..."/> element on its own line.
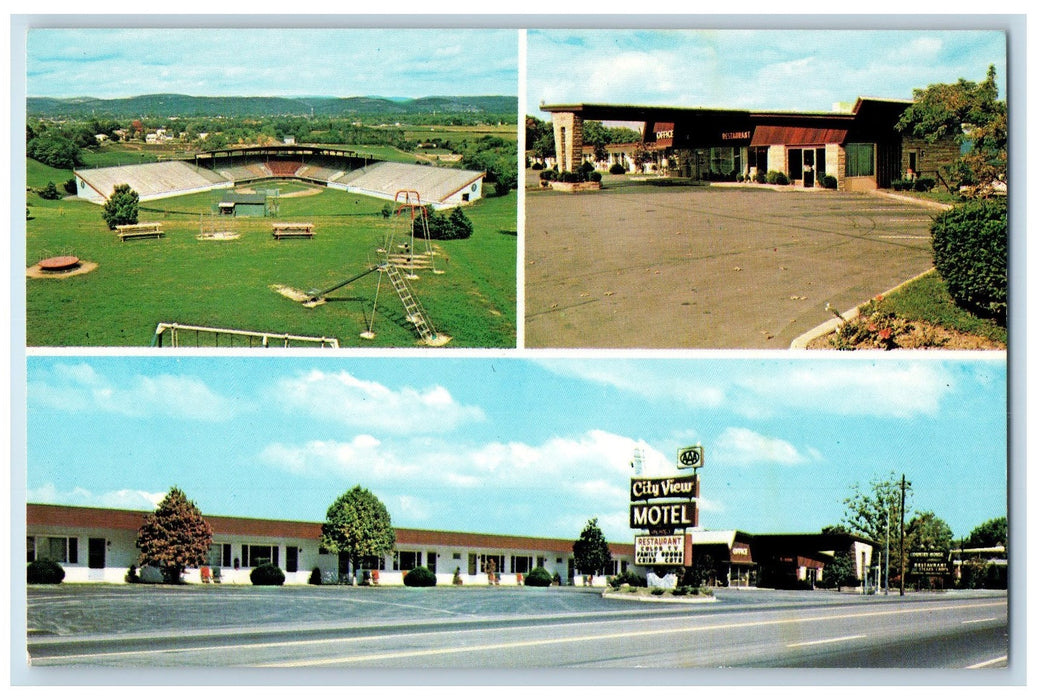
<point x="172" y="105"/>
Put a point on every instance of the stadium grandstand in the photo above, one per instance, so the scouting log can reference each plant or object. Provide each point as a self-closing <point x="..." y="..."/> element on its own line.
<point x="327" y="167"/>
<point x="438" y="187"/>
<point x="148" y="180"/>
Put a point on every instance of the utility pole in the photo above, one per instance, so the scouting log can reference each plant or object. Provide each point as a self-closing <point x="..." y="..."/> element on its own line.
<point x="903" y="491"/>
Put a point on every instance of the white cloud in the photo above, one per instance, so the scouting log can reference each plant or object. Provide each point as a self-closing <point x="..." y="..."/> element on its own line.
<point x="894" y="389"/>
<point x="129" y="499"/>
<point x="744" y="446"/>
<point x="79" y="387"/>
<point x="343" y="398"/>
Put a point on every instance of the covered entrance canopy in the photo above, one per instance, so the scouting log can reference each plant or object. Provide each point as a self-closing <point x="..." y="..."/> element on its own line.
<point x="697" y="139"/>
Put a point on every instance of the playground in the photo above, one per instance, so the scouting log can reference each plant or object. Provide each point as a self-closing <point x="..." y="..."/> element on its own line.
<point x="223" y="272"/>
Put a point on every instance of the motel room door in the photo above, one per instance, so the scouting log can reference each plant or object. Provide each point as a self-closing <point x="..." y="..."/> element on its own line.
<point x="95" y="557"/>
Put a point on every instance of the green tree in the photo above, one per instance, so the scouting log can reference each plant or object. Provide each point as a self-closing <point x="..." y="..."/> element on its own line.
<point x="174" y="537"/>
<point x="992" y="533"/>
<point x="926" y="532"/>
<point x="358" y="524"/>
<point x="121" y="208"/>
<point x="54" y="149"/>
<point x="50" y="191"/>
<point x="874" y="512"/>
<point x="972" y="115"/>
<point x="591" y="552"/>
<point x="842" y="571"/>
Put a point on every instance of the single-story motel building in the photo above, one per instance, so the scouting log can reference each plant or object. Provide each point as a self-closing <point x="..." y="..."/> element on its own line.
<point x="99" y="545"/>
<point x="859" y="146"/>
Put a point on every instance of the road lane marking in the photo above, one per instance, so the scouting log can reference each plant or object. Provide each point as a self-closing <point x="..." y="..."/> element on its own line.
<point x="500" y="646"/>
<point x="507" y="645"/>
<point x="984" y="664"/>
<point x="984" y="619"/>
<point x="826" y="641"/>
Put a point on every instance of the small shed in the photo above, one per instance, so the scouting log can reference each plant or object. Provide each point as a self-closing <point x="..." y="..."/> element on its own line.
<point x="236" y="204"/>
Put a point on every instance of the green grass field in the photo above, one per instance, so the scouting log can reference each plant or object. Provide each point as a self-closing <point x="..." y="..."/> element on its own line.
<point x="140" y="283"/>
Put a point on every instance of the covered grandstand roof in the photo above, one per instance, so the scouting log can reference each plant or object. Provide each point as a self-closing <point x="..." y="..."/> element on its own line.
<point x="432" y="184"/>
<point x="148" y="180"/>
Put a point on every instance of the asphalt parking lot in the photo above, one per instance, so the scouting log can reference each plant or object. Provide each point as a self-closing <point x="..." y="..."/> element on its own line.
<point x="641" y="266"/>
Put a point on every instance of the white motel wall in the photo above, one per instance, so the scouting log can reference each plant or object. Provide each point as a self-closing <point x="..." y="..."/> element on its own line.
<point x="99" y="545"/>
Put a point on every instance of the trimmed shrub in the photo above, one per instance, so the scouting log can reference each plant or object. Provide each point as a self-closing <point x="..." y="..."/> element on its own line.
<point x="267" y="575"/>
<point x="658" y="591"/>
<point x="617" y="169"/>
<point x="540" y="577"/>
<point x="44" y="571"/>
<point x="537" y="166"/>
<point x="829" y="182"/>
<point x="970" y="251"/>
<point x="549" y="175"/>
<point x="776" y="177"/>
<point x="131" y="575"/>
<point x="629" y="577"/>
<point x="315" y="577"/>
<point x="586" y="168"/>
<point x="594" y="176"/>
<point x="924" y="184"/>
<point x="421" y="577"/>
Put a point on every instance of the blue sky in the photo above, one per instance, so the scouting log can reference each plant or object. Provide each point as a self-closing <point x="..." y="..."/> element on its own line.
<point x="518" y="445"/>
<point x="776" y="69"/>
<point x="295" y="62"/>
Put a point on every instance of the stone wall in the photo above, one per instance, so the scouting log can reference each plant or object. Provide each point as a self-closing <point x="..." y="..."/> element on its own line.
<point x="568" y="128"/>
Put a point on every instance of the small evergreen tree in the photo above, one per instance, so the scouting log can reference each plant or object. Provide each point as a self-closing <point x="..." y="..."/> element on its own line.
<point x="591" y="552"/>
<point x="50" y="191"/>
<point x="174" y="537"/>
<point x="121" y="208"/>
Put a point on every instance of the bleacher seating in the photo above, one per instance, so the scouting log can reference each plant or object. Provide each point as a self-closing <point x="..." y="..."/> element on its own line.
<point x="283" y="168"/>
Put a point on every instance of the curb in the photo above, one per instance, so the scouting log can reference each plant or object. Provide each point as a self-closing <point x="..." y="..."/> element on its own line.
<point x="801" y="342"/>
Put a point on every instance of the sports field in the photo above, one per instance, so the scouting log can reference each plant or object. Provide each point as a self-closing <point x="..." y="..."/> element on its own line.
<point x="229" y="283"/>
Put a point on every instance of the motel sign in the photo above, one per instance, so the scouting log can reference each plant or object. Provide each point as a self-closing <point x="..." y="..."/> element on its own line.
<point x="656" y="516"/>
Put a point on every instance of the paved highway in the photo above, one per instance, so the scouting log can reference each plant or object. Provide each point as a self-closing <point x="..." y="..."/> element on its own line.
<point x="557" y="628"/>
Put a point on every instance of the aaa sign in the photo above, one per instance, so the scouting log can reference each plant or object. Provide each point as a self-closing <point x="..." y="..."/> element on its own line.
<point x="662" y="515"/>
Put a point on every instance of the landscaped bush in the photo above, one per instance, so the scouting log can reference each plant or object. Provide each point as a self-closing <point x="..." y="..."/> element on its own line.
<point x="586" y="167"/>
<point x="594" y="176"/>
<point x="776" y="177"/>
<point x="267" y="575"/>
<point x="454" y="227"/>
<point x="70" y="186"/>
<point x="131" y="575"/>
<point x="45" y="571"/>
<point x="829" y="182"/>
<point x="537" y="166"/>
<point x="874" y="327"/>
<point x="970" y="251"/>
<point x="420" y="577"/>
<point x="315" y="577"/>
<point x="539" y="577"/>
<point x="658" y="591"/>
<point x="629" y="577"/>
<point x="617" y="169"/>
<point x="924" y="184"/>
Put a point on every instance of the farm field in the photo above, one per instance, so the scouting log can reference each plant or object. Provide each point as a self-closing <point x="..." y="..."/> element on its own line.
<point x="229" y="284"/>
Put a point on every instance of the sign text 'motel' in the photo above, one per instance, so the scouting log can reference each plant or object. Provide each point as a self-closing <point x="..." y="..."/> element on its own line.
<point x="646" y="489"/>
<point x="662" y="515"/>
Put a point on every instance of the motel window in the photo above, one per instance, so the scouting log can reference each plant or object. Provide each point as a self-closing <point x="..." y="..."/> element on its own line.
<point x="406" y="561"/>
<point x="521" y="565"/>
<point x="291" y="556"/>
<point x="220" y="555"/>
<point x="253" y="555"/>
<point x="64" y="550"/>
<point x="430" y="561"/>
<point x="370" y="562"/>
<point x="860" y="159"/>
<point x="541" y="561"/>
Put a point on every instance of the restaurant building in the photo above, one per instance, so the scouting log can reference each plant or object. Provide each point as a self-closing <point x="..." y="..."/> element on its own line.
<point x="856" y="149"/>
